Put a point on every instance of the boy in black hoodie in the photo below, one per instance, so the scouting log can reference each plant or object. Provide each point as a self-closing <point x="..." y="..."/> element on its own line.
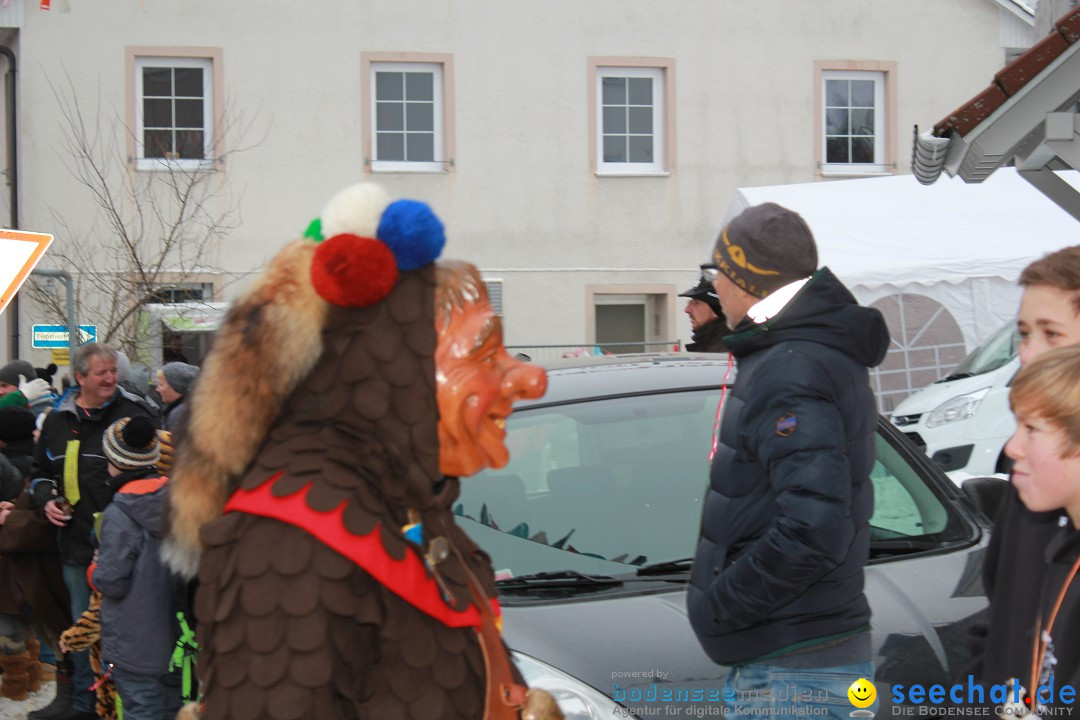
<point x="1045" y="397"/>
<point x="1014" y="566"/>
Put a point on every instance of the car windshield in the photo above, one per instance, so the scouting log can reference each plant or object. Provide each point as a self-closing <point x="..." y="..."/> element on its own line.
<point x="613" y="484"/>
<point x="992" y="354"/>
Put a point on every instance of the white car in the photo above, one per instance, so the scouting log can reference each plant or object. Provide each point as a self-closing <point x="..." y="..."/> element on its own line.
<point x="963" y="420"/>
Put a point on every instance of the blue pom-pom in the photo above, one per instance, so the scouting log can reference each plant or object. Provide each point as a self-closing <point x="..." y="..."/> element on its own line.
<point x="412" y="232"/>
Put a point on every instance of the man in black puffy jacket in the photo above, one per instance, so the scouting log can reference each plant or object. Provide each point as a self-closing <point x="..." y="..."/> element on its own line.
<point x="776" y="589"/>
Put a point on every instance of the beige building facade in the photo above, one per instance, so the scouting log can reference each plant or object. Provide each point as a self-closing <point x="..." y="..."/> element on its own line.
<point x="582" y="154"/>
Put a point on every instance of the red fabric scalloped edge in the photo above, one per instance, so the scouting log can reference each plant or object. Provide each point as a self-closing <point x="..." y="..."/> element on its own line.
<point x="407" y="578"/>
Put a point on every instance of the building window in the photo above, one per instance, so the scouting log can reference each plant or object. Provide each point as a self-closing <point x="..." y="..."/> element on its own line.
<point x="182" y="293"/>
<point x="407" y="122"/>
<point x="630" y="128"/>
<point x="174" y="113"/>
<point x="853" y="120"/>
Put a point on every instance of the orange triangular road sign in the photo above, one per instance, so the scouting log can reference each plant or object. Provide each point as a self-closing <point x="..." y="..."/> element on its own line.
<point x="19" y="254"/>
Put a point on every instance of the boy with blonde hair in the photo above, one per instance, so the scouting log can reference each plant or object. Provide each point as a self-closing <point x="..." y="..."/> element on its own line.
<point x="1045" y="398"/>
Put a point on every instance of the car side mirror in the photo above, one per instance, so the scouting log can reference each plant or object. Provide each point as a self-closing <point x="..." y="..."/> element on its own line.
<point x="985" y="493"/>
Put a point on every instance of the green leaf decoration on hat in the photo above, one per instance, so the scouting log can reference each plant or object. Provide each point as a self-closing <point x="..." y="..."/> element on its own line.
<point x="314" y="230"/>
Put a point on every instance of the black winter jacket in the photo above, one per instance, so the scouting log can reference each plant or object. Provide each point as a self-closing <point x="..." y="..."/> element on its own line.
<point x="1014" y="566"/>
<point x="66" y="423"/>
<point x="785" y="531"/>
<point x="1060" y="555"/>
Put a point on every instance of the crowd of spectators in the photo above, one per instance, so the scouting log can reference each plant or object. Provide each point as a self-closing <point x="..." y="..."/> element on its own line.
<point x="64" y="459"/>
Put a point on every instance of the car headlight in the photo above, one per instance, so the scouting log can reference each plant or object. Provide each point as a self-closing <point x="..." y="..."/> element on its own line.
<point x="960" y="407"/>
<point x="577" y="700"/>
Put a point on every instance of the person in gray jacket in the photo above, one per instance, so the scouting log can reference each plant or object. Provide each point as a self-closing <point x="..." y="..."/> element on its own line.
<point x="139" y="594"/>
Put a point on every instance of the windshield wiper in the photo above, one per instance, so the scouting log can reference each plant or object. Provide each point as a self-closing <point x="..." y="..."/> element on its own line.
<point x="956" y="376"/>
<point x="665" y="568"/>
<point x="562" y="578"/>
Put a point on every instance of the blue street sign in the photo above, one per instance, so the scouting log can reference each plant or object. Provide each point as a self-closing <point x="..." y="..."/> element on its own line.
<point x="56" y="336"/>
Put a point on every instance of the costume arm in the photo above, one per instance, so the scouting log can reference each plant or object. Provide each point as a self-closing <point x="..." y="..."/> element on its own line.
<point x="121" y="543"/>
<point x="809" y="474"/>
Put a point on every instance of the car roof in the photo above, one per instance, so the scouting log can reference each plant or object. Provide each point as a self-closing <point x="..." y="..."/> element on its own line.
<point x="590" y="377"/>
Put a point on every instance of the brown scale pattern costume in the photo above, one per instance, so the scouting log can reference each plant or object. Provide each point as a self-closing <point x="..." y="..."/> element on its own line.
<point x="344" y="421"/>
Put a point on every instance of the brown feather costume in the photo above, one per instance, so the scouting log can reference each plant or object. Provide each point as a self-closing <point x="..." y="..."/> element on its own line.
<point x="334" y="410"/>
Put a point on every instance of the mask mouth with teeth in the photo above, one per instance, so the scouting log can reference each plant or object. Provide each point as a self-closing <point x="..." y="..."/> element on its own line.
<point x="477" y="379"/>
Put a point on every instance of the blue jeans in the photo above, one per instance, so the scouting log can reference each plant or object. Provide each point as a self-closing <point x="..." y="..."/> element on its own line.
<point x="83" y="676"/>
<point x="147" y="697"/>
<point x="772" y="691"/>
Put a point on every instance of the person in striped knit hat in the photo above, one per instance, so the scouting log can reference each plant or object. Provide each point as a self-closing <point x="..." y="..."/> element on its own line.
<point x="139" y="594"/>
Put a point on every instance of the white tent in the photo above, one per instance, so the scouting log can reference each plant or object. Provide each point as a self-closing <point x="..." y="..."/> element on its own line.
<point x="941" y="261"/>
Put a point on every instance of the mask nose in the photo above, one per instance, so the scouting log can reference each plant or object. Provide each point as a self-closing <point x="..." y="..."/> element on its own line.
<point x="524" y="380"/>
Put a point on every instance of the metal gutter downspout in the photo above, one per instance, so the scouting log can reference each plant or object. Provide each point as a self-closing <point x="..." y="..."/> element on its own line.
<point x="13" y="182"/>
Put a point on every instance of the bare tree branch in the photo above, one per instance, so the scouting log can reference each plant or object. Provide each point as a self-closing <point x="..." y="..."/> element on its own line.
<point x="149" y="229"/>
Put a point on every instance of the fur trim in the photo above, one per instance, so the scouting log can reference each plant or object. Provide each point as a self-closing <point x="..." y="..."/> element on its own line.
<point x="269" y="341"/>
<point x="191" y="711"/>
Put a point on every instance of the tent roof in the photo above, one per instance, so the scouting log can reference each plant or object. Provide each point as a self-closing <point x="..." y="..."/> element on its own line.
<point x="895" y="231"/>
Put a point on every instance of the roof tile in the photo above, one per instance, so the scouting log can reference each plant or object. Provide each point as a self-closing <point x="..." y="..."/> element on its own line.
<point x="1020" y="71"/>
<point x="1010" y="79"/>
<point x="967" y="116"/>
<point x="1069" y="26"/>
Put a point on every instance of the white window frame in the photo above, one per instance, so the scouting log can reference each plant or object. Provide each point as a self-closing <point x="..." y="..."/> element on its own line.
<point x="659" y="164"/>
<point x="154" y="163"/>
<point x="880" y="116"/>
<point x="439" y="114"/>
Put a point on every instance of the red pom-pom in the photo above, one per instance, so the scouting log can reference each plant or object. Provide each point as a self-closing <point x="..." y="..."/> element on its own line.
<point x="353" y="271"/>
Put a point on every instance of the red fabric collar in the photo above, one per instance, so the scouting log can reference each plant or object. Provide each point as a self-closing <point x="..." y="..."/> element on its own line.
<point x="408" y="578"/>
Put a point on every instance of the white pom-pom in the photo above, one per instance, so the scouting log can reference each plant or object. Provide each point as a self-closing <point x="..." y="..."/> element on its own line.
<point x="356" y="210"/>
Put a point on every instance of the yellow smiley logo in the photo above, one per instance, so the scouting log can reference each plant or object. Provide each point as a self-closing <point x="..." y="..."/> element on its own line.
<point x="862" y="693"/>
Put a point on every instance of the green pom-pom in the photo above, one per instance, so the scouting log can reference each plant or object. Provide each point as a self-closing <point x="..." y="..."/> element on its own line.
<point x="314" y="230"/>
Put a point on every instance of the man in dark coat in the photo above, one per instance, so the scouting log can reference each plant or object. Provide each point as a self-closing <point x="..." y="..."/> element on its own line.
<point x="777" y="583"/>
<point x="706" y="318"/>
<point x="70" y="465"/>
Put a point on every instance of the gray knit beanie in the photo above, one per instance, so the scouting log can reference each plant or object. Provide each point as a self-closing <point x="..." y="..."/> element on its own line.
<point x="180" y="376"/>
<point x="10" y="373"/>
<point x="765" y="248"/>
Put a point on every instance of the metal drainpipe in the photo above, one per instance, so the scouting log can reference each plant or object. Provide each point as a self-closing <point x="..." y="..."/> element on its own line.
<point x="73" y="328"/>
<point x="13" y="181"/>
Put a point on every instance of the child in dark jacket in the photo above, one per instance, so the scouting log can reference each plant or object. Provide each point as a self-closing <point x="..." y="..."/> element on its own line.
<point x="139" y="594"/>
<point x="1045" y="397"/>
